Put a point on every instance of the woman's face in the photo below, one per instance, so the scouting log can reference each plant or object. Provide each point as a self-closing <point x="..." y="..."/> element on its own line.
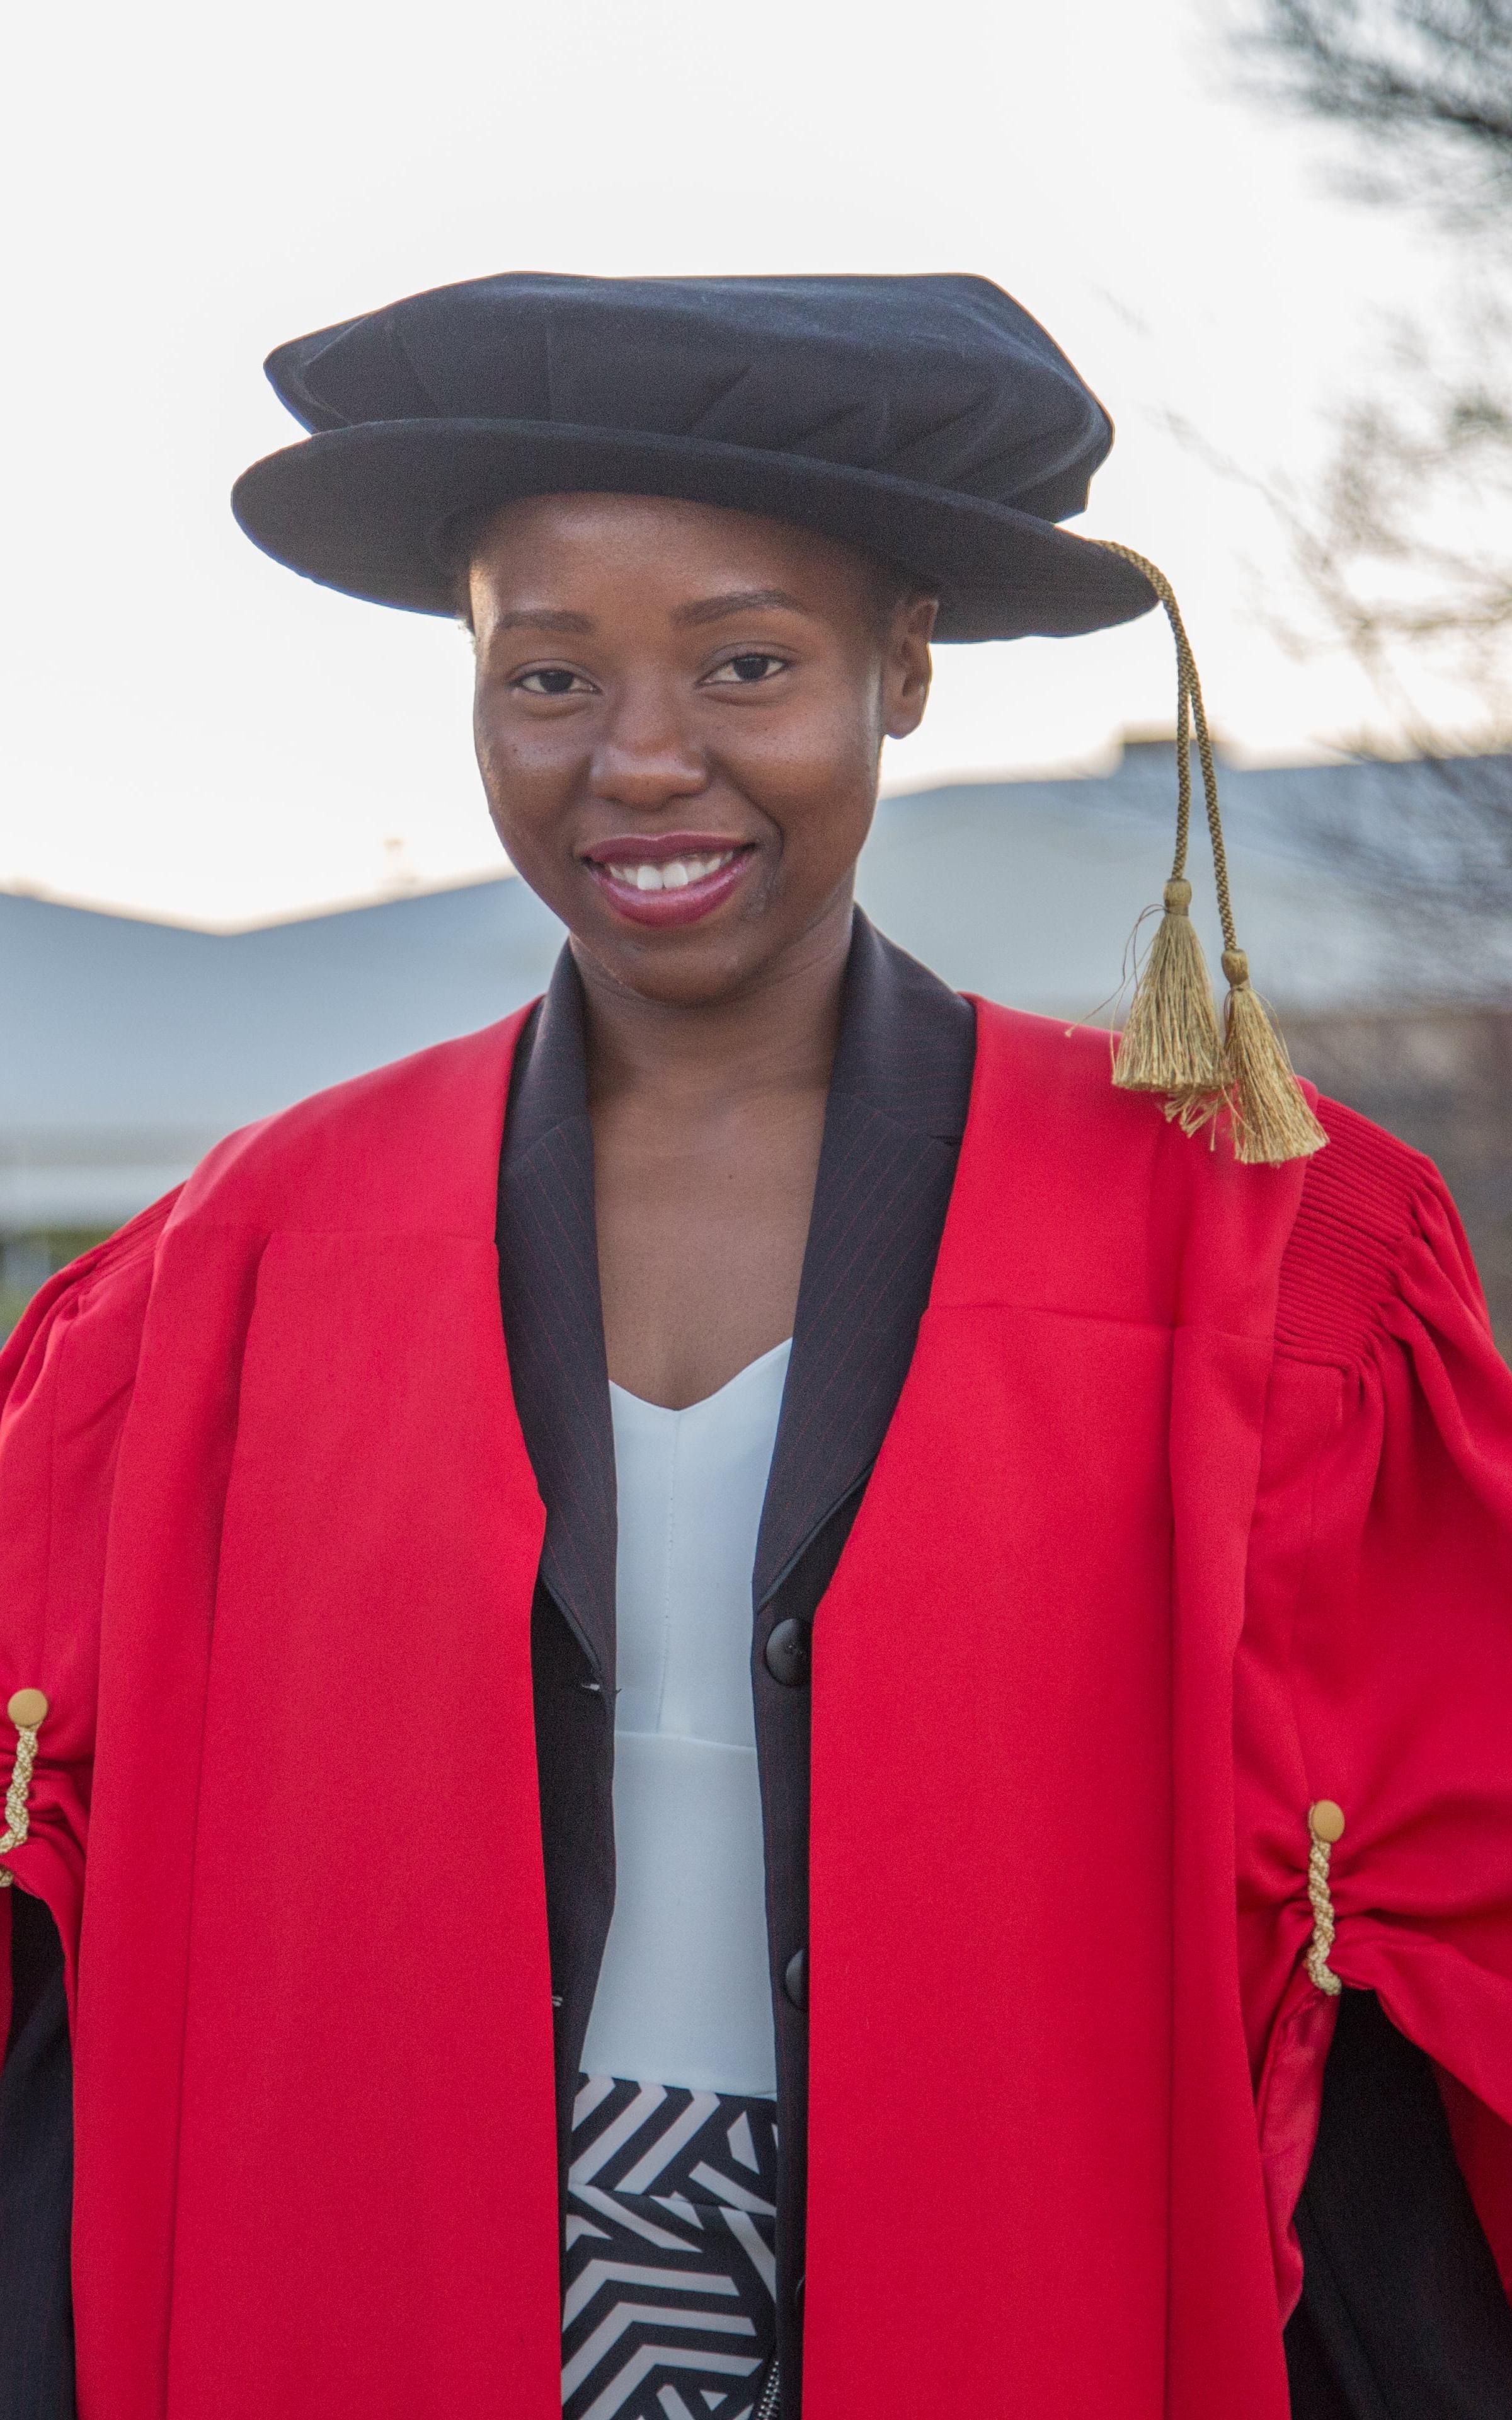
<point x="678" y="718"/>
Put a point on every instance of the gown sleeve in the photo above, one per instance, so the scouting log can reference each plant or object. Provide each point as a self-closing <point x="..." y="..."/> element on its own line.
<point x="66" y="1382"/>
<point x="1375" y="1669"/>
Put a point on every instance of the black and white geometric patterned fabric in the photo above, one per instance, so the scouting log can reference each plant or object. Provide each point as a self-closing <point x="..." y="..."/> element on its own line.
<point x="671" y="2205"/>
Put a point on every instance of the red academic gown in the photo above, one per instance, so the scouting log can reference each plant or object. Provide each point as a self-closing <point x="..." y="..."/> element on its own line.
<point x="1198" y="1496"/>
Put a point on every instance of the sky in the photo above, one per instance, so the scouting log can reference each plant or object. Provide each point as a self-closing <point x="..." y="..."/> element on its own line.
<point x="192" y="733"/>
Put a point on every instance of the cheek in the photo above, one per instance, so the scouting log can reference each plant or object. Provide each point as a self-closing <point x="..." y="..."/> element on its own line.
<point x="527" y="776"/>
<point x="817" y="778"/>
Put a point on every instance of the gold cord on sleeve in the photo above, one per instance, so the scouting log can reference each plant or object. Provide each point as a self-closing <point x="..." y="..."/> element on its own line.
<point x="28" y="1712"/>
<point x="1325" y="1825"/>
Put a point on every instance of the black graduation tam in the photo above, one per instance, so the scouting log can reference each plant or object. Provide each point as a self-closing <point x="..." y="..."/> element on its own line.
<point x="928" y="420"/>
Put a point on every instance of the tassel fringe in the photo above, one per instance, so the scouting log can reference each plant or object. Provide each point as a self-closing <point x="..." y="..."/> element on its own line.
<point x="1171" y="1042"/>
<point x="1272" y="1120"/>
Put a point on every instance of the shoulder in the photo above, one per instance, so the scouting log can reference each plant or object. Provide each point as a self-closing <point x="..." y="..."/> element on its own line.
<point x="1045" y="1048"/>
<point x="98" y="1301"/>
<point x="1369" y="1205"/>
<point x="1314" y="1252"/>
<point x="1365" y="1188"/>
<point x="409" y="1145"/>
<point x="1041" y="1080"/>
<point x="1079" y="1195"/>
<point x="1061" y="1074"/>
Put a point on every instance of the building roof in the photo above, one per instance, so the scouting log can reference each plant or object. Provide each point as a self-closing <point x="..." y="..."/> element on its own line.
<point x="145" y="1042"/>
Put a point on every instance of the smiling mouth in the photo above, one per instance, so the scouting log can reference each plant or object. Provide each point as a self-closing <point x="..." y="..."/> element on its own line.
<point x="672" y="873"/>
<point x="671" y="881"/>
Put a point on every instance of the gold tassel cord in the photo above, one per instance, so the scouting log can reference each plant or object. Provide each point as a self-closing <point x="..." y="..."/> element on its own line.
<point x="28" y="1712"/>
<point x="1325" y="1825"/>
<point x="1171" y="1042"/>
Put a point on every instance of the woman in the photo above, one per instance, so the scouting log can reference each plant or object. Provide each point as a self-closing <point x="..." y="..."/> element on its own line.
<point x="914" y="2000"/>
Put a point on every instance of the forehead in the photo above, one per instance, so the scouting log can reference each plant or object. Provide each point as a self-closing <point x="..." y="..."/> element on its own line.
<point x="666" y="547"/>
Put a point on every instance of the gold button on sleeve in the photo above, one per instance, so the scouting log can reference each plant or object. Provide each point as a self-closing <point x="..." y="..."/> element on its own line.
<point x="1326" y="1820"/>
<point x="27" y="1710"/>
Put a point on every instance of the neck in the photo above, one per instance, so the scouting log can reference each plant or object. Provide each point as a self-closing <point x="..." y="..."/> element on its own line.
<point x="776" y="1033"/>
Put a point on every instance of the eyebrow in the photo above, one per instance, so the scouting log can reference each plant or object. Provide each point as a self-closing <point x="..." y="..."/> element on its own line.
<point x="707" y="609"/>
<point x="546" y="617"/>
<point x="738" y="600"/>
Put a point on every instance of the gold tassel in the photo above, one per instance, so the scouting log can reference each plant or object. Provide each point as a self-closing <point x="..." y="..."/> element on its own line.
<point x="1171" y="1042"/>
<point x="1271" y="1117"/>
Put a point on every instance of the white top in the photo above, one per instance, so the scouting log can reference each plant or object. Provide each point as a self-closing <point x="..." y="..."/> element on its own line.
<point x="684" y="1995"/>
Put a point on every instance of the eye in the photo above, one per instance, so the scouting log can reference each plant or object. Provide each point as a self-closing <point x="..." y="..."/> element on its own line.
<point x="748" y="668"/>
<point x="553" y="680"/>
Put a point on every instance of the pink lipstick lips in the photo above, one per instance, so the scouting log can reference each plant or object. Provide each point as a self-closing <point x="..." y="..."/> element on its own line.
<point x="675" y="879"/>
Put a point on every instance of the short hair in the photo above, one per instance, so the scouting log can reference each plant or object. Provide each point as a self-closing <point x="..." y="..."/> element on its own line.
<point x="455" y="545"/>
<point x="890" y="583"/>
<point x="893" y="586"/>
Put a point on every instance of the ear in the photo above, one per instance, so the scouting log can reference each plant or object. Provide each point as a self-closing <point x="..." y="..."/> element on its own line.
<point x="907" y="666"/>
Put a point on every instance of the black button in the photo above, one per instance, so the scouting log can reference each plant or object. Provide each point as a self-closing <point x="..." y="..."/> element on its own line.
<point x="787" y="1652"/>
<point x="795" y="1978"/>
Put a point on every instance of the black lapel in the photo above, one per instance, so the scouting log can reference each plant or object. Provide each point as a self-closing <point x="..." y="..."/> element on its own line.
<point x="896" y="1114"/>
<point x="553" y="1319"/>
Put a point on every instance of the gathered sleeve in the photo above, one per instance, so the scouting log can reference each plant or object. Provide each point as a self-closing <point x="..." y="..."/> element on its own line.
<point x="65" y="1383"/>
<point x="1375" y="1669"/>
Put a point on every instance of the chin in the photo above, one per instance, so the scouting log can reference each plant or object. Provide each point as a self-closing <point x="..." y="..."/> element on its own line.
<point x="678" y="970"/>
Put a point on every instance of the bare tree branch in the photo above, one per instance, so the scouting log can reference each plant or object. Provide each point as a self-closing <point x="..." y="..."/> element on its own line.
<point x="1427" y="84"/>
<point x="1399" y="545"/>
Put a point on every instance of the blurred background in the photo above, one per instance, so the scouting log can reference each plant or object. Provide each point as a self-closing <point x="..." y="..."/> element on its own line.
<point x="242" y="846"/>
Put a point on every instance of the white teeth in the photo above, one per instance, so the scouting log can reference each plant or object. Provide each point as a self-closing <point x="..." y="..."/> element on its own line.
<point x="676" y="874"/>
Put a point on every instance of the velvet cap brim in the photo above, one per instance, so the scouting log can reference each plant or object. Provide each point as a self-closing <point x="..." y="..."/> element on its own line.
<point x="366" y="510"/>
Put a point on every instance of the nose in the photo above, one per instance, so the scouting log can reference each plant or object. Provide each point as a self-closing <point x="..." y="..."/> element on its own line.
<point x="646" y="757"/>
